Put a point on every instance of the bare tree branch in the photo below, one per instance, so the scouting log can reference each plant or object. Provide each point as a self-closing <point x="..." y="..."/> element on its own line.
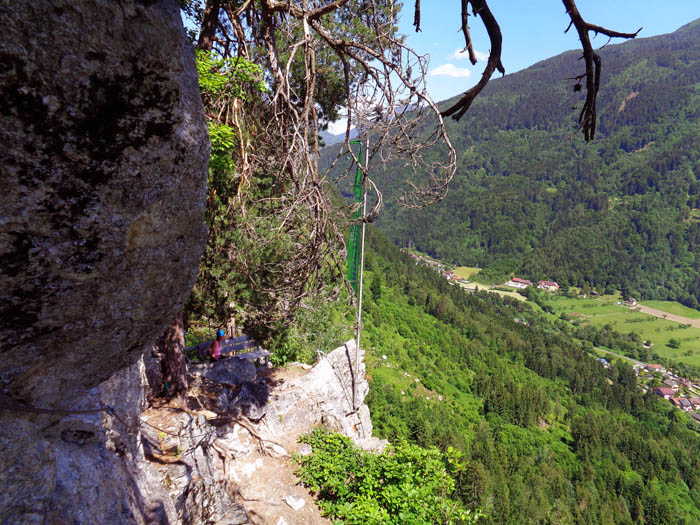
<point x="588" y="116"/>
<point x="416" y="16"/>
<point x="465" y="29"/>
<point x="482" y="10"/>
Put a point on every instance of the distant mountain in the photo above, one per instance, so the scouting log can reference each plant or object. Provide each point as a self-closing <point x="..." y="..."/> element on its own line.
<point x="331" y="139"/>
<point x="532" y="197"/>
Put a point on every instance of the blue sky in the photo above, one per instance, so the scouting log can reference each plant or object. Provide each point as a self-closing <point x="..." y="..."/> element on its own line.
<point x="532" y="31"/>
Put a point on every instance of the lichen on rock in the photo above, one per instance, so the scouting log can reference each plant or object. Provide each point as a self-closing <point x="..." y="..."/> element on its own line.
<point x="104" y="163"/>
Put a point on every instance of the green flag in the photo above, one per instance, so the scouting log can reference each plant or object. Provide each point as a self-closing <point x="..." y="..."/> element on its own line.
<point x="354" y="239"/>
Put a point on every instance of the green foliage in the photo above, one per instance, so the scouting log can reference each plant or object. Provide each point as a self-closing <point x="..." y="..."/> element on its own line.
<point x="250" y="270"/>
<point x="228" y="78"/>
<point x="320" y="326"/>
<point x="548" y="434"/>
<point x="404" y="484"/>
<point x="376" y="287"/>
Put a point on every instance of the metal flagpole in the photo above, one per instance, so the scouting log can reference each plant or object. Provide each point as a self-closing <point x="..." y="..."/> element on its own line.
<point x="362" y="268"/>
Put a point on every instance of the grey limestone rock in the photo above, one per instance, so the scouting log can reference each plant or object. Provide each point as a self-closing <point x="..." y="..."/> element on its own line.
<point x="251" y="400"/>
<point x="230" y="371"/>
<point x="103" y="169"/>
<point x="83" y="468"/>
<point x="104" y="163"/>
<point x="324" y="397"/>
<point x="295" y="502"/>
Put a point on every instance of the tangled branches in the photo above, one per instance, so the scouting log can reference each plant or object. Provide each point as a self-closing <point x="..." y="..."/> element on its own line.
<point x="317" y="57"/>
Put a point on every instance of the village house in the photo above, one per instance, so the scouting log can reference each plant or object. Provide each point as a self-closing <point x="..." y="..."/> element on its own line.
<point x="695" y="401"/>
<point x="631" y="301"/>
<point x="656" y="368"/>
<point x="682" y="403"/>
<point x="516" y="283"/>
<point x="550" y="286"/>
<point x="685" y="382"/>
<point x="671" y="384"/>
<point x="666" y="393"/>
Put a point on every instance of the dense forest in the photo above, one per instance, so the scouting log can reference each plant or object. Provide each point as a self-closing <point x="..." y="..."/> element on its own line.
<point x="548" y="434"/>
<point x="532" y="197"/>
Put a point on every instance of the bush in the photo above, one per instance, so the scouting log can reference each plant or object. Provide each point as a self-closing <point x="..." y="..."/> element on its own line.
<point x="405" y="484"/>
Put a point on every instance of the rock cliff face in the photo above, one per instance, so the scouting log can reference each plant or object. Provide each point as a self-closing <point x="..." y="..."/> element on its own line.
<point x="104" y="159"/>
<point x="196" y="466"/>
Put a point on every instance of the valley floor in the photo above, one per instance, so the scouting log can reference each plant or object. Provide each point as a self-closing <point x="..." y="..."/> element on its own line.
<point x="665" y="315"/>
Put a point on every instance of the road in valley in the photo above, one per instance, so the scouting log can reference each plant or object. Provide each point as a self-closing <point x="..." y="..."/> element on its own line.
<point x="666" y="315"/>
<point x="621" y="356"/>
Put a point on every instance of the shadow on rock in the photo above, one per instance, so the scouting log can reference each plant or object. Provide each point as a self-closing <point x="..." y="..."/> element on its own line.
<point x="251" y="401"/>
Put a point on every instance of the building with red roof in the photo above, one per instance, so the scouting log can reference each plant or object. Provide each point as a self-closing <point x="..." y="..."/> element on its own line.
<point x="666" y="393"/>
<point x="550" y="286"/>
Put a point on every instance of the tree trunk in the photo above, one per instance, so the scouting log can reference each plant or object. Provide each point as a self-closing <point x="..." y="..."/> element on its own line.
<point x="175" y="367"/>
<point x="231" y="327"/>
<point x="210" y="20"/>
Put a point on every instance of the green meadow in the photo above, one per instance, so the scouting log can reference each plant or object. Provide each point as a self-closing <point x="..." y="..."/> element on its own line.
<point x="465" y="272"/>
<point x="673" y="308"/>
<point x="605" y="311"/>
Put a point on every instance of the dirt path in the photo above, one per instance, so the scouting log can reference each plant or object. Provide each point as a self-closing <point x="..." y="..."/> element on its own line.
<point x="668" y="316"/>
<point x="621" y="356"/>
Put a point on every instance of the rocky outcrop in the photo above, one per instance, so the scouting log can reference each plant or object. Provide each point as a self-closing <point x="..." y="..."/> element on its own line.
<point x="232" y="371"/>
<point x="323" y="397"/>
<point x="133" y="464"/>
<point x="104" y="158"/>
<point x="82" y="468"/>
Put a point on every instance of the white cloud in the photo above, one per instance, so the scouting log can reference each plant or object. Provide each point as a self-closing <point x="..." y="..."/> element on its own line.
<point x="339" y="126"/>
<point x="461" y="54"/>
<point x="449" y="70"/>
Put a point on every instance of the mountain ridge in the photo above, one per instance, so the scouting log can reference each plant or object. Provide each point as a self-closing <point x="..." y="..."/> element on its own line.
<point x="531" y="197"/>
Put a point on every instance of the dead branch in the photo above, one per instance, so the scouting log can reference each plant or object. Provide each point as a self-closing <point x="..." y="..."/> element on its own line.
<point x="481" y="9"/>
<point x="588" y="116"/>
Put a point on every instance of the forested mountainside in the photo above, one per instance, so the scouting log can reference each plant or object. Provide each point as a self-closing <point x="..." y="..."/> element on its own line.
<point x="548" y="434"/>
<point x="531" y="196"/>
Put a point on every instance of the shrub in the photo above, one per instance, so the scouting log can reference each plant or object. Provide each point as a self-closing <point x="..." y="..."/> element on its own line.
<point x="405" y="484"/>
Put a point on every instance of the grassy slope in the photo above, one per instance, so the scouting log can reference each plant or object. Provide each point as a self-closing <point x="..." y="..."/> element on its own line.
<point x="465" y="272"/>
<point x="606" y="311"/>
<point x="673" y="307"/>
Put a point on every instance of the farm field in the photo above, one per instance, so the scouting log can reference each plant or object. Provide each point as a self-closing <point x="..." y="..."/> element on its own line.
<point x="673" y="308"/>
<point x="514" y="295"/>
<point x="605" y="311"/>
<point x="465" y="272"/>
<point x="473" y="286"/>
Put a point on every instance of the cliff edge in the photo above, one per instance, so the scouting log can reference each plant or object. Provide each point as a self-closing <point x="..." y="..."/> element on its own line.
<point x="225" y="459"/>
